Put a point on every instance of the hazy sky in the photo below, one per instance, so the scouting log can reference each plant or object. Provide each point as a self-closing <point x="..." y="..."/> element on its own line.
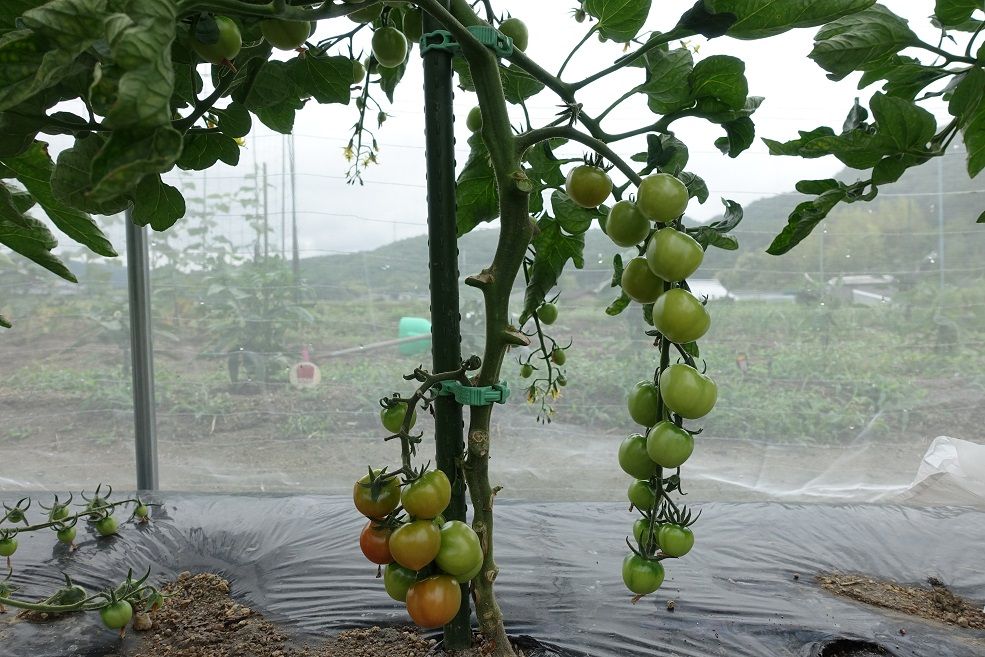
<point x="335" y="217"/>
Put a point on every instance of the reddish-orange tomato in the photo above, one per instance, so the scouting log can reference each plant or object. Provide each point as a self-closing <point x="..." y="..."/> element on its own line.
<point x="375" y="543"/>
<point x="434" y="601"/>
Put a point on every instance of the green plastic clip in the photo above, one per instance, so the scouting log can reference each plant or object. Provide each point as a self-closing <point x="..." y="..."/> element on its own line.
<point x="476" y="396"/>
<point x="488" y="36"/>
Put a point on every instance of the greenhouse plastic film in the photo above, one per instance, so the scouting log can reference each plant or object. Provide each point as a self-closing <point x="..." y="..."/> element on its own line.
<point x="746" y="590"/>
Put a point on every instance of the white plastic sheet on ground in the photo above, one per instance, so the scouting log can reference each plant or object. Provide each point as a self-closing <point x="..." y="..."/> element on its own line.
<point x="952" y="472"/>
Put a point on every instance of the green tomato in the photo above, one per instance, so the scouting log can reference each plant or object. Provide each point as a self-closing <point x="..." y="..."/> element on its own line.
<point x="680" y="316"/>
<point x="639" y="283"/>
<point x="286" y="35"/>
<point x="675" y="540"/>
<point x="8" y="546"/>
<point x="367" y="14"/>
<point x="393" y="417"/>
<point x="642" y="576"/>
<point x="142" y="511"/>
<point x="626" y="225"/>
<point x="397" y="579"/>
<point x="643" y="402"/>
<point x="415" y="544"/>
<point x="382" y="503"/>
<point x="668" y="445"/>
<point x="662" y="197"/>
<point x="226" y="48"/>
<point x="413" y="25"/>
<point x="389" y="47"/>
<point x="562" y="380"/>
<point x="428" y="495"/>
<point x="469" y="576"/>
<point x="645" y="534"/>
<point x="588" y="186"/>
<point x="558" y="357"/>
<point x="460" y="551"/>
<point x="116" y="616"/>
<point x="641" y="495"/>
<point x="15" y="516"/>
<point x="687" y="392"/>
<point x="474" y="120"/>
<point x="526" y="370"/>
<point x="107" y="526"/>
<point x="58" y="512"/>
<point x="673" y="255"/>
<point x="633" y="458"/>
<point x="516" y="29"/>
<point x="358" y="72"/>
<point x="66" y="535"/>
<point x="547" y="313"/>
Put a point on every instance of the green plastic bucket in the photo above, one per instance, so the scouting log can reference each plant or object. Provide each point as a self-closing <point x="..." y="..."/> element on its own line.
<point x="409" y="327"/>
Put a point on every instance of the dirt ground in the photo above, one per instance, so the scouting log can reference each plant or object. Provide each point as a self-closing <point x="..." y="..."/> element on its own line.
<point x="934" y="602"/>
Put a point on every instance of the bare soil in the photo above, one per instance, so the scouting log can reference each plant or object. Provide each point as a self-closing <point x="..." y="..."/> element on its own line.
<point x="934" y="602"/>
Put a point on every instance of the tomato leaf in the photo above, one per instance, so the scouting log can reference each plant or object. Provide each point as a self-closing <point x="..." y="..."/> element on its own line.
<point x="955" y="12"/>
<point x="974" y="141"/>
<point x="617" y="269"/>
<point x="619" y="20"/>
<point x="28" y="236"/>
<point x="860" y="40"/>
<point x="33" y="169"/>
<point x="619" y="305"/>
<point x="329" y="79"/>
<point x="666" y="85"/>
<point x="203" y="149"/>
<point x="553" y="248"/>
<point x="72" y="177"/>
<point x="803" y="219"/>
<point x="518" y="85"/>
<point x="389" y="79"/>
<point x="909" y="127"/>
<point x="476" y="193"/>
<point x="573" y="218"/>
<point x="696" y="186"/>
<point x="665" y="153"/>
<point x="129" y="155"/>
<point x="234" y="120"/>
<point x="715" y="233"/>
<point x="5" y="323"/>
<point x="739" y="135"/>
<point x="722" y="78"/>
<point x="757" y="19"/>
<point x="700" y="20"/>
<point x="157" y="203"/>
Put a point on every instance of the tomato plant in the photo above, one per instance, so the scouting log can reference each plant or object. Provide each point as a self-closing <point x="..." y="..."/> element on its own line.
<point x="626" y="225"/>
<point x="286" y="35"/>
<point x="393" y="417"/>
<point x="680" y="317"/>
<point x="634" y="459"/>
<point x="588" y="185"/>
<point x="662" y="197"/>
<point x="668" y="445"/>
<point x="427" y="496"/>
<point x="673" y="255"/>
<point x="389" y="47"/>
<point x="687" y="392"/>
<point x="675" y="540"/>
<point x="107" y="526"/>
<point x="516" y="29"/>
<point x="547" y="313"/>
<point x="639" y="283"/>
<point x="474" y="119"/>
<point x="8" y="545"/>
<point x="116" y="615"/>
<point x="644" y="403"/>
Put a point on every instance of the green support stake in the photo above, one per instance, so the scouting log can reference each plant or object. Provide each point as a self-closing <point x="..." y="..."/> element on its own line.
<point x="439" y="127"/>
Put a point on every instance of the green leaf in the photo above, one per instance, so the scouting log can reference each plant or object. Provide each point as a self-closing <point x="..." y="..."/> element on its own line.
<point x="545" y="167"/>
<point x="573" y="218"/>
<point x="10" y="10"/>
<point x="553" y="250"/>
<point x="739" y="135"/>
<point x="29" y="237"/>
<point x="5" y="323"/>
<point x="518" y="85"/>
<point x="234" y="120"/>
<point x="889" y="170"/>
<point x="72" y="178"/>
<point x="617" y="270"/>
<point x="696" y="186"/>
<point x="859" y="40"/>
<point x="666" y="85"/>
<point x="140" y="44"/>
<point x="666" y="153"/>
<point x="272" y="84"/>
<point x="33" y="169"/>
<point x="619" y="20"/>
<point x="280" y="117"/>
<point x="794" y="146"/>
<point x="157" y="204"/>
<point x="981" y="218"/>
<point x="201" y="150"/>
<point x="476" y="193"/>
<point x="128" y="156"/>
<point x="29" y="67"/>
<point x="907" y="80"/>
<point x="757" y="19"/>
<point x="326" y="79"/>
<point x="815" y="187"/>
<point x="716" y="233"/>
<point x="906" y="124"/>
<point x="955" y="12"/>
<point x="974" y="141"/>
<point x="648" y="313"/>
<point x="720" y="77"/>
<point x="967" y="95"/>
<point x="733" y="216"/>
<point x="619" y="305"/>
<point x="389" y="79"/>
<point x="803" y="219"/>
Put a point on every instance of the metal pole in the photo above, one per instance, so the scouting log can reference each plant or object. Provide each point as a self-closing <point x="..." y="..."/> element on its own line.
<point x="142" y="355"/>
<point x="283" y="198"/>
<point x="295" y="256"/>
<point x="446" y="337"/>
<point x="266" y="229"/>
<point x="940" y="220"/>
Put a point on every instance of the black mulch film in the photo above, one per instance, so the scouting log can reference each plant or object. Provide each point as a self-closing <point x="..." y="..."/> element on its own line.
<point x="747" y="588"/>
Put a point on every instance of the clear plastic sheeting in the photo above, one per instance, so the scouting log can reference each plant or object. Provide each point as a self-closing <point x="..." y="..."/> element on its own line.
<point x="952" y="472"/>
<point x="746" y="590"/>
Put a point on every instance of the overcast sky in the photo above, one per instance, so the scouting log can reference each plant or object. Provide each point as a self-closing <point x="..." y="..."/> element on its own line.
<point x="335" y="217"/>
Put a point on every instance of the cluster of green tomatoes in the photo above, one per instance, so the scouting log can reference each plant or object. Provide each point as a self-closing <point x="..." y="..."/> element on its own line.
<point x="425" y="558"/>
<point x="667" y="256"/>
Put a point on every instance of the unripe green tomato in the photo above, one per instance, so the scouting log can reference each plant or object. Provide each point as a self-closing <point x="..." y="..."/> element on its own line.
<point x="226" y="48"/>
<point x="15" y="516"/>
<point x="547" y="313"/>
<point x="117" y="615"/>
<point x="58" y="512"/>
<point x="626" y="225"/>
<point x="397" y="579"/>
<point x="107" y="526"/>
<point x="286" y="35"/>
<point x="393" y="417"/>
<point x="367" y="14"/>
<point x="639" y="283"/>
<point x="427" y="496"/>
<point x="645" y="534"/>
<point x="516" y="30"/>
<point x="675" y="540"/>
<point x="413" y="25"/>
<point x="642" y="576"/>
<point x="687" y="392"/>
<point x="389" y="47"/>
<point x="662" y="197"/>
<point x="643" y="402"/>
<point x="474" y="120"/>
<point x="641" y="495"/>
<point x="8" y="546"/>
<point x="67" y="535"/>
<point x="358" y="72"/>
<point x="141" y="511"/>
<point x="460" y="551"/>
<point x="561" y="380"/>
<point x="668" y="445"/>
<point x="469" y="576"/>
<point x="633" y="458"/>
<point x="588" y="186"/>
<point x="680" y="316"/>
<point x="526" y="370"/>
<point x="673" y="255"/>
<point x="558" y="356"/>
